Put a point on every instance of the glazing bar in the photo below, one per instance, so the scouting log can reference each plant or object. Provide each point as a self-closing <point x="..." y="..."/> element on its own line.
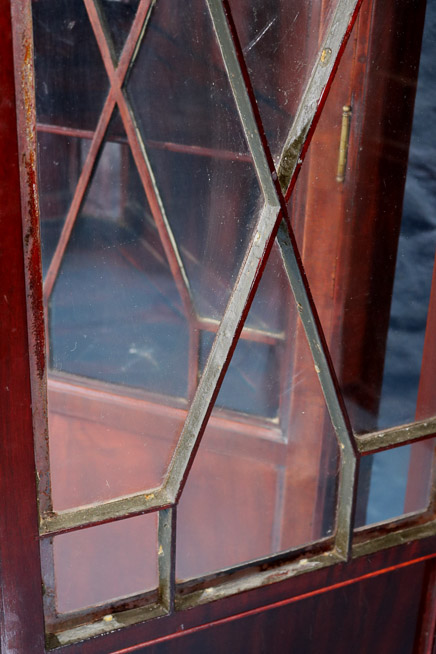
<point x="87" y="516"/>
<point x="316" y="91"/>
<point x="386" y="439"/>
<point x="334" y="43"/>
<point x="245" y="287"/>
<point x="220" y="354"/>
<point x="167" y="557"/>
<point x="97" y="140"/>
<point x="117" y="77"/>
<point x="326" y="374"/>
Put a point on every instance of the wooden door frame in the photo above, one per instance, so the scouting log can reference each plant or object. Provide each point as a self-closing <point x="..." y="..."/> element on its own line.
<point x="22" y="623"/>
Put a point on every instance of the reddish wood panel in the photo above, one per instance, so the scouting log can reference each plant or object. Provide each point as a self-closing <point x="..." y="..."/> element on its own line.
<point x="425" y="642"/>
<point x="357" y="618"/>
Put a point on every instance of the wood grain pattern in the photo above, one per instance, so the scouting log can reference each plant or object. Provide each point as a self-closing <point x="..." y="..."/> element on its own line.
<point x="21" y="620"/>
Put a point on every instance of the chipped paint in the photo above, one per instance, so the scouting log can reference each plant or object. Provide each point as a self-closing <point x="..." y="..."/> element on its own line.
<point x="290" y="158"/>
<point x="34" y="267"/>
<point x="395" y="437"/>
<point x="26" y="127"/>
<point x="326" y="55"/>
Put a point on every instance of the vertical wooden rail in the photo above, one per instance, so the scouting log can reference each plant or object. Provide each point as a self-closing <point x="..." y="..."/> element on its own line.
<point x="21" y="613"/>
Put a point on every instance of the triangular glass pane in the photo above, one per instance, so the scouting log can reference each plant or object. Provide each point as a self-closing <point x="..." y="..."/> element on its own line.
<point x="117" y="326"/>
<point x="71" y="81"/>
<point x="268" y="311"/>
<point x="188" y="120"/>
<point x="257" y="355"/>
<point x="119" y="16"/>
<point x="280" y="40"/>
<point x="60" y="162"/>
<point x="268" y="462"/>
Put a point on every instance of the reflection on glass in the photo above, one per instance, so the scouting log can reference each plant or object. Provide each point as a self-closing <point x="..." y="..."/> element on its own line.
<point x="71" y="83"/>
<point x="251" y="384"/>
<point x="375" y="315"/>
<point x="115" y="312"/>
<point x="196" y="148"/>
<point x="59" y="164"/>
<point x="259" y="487"/>
<point x="104" y="563"/>
<point x="280" y="40"/>
<point x="119" y="18"/>
<point x="401" y="481"/>
<point x="117" y="324"/>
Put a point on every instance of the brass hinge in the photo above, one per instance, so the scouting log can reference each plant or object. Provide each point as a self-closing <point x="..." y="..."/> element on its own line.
<point x="343" y="144"/>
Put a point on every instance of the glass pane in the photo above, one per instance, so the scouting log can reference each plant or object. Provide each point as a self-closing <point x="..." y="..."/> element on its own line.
<point x="400" y="481"/>
<point x="253" y="372"/>
<point x="269" y="312"/>
<point x="196" y="147"/>
<point x="125" y="347"/>
<point x="280" y="40"/>
<point x="71" y="82"/>
<point x="93" y="566"/>
<point x="115" y="313"/>
<point x="60" y="161"/>
<point x="105" y="445"/>
<point x="271" y="481"/>
<point x="117" y="324"/>
<point x="387" y="488"/>
<point x="119" y="17"/>
<point x="253" y="369"/>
